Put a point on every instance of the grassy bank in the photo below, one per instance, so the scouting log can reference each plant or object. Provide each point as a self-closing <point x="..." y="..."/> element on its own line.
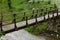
<point x="22" y="6"/>
<point x="36" y="29"/>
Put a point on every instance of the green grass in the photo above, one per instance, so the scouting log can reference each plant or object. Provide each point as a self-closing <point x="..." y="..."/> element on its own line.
<point x="20" y="6"/>
<point x="50" y="38"/>
<point x="1" y="35"/>
<point x="36" y="29"/>
<point x="25" y="6"/>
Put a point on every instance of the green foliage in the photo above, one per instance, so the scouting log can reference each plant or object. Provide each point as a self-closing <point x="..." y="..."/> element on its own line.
<point x="24" y="5"/>
<point x="50" y="38"/>
<point x="21" y="6"/>
<point x="36" y="29"/>
<point x="1" y="35"/>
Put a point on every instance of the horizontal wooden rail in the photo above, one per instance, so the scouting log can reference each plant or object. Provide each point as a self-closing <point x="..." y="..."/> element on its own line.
<point x="31" y="21"/>
<point x="44" y="15"/>
<point x="15" y="26"/>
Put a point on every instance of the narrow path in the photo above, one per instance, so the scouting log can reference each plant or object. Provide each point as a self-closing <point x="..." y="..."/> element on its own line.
<point x="21" y="35"/>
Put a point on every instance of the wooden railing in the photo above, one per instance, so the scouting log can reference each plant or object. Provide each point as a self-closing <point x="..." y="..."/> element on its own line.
<point x="26" y="17"/>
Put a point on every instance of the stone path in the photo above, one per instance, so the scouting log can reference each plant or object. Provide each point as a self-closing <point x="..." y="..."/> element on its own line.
<point x="21" y="35"/>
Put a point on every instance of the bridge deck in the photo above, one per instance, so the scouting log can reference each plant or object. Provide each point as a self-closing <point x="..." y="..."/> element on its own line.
<point x="31" y="21"/>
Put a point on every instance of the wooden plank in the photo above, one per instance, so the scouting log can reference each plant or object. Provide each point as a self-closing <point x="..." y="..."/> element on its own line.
<point x="31" y="21"/>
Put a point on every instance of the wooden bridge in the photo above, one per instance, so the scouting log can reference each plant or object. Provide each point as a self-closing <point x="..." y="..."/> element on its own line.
<point x="23" y="24"/>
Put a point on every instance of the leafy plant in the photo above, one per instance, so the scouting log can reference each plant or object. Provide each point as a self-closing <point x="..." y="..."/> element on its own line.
<point x="36" y="29"/>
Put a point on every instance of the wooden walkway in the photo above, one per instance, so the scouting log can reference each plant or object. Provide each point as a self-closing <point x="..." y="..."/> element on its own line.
<point x="31" y="21"/>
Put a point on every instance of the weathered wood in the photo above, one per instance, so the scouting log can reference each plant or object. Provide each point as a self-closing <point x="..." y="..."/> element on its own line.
<point x="36" y="18"/>
<point x="14" y="21"/>
<point x="44" y="15"/>
<point x="1" y="26"/>
<point x="26" y="21"/>
<point x="1" y="22"/>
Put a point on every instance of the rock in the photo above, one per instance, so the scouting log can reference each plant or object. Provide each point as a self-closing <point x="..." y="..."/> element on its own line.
<point x="21" y="35"/>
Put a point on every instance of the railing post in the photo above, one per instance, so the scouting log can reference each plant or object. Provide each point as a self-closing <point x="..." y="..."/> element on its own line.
<point x="44" y="15"/>
<point x="41" y="10"/>
<point x="53" y="14"/>
<point x="46" y="10"/>
<point x="24" y="16"/>
<point x="48" y="15"/>
<point x="1" y="23"/>
<point x="32" y="13"/>
<point x="57" y="12"/>
<point x="36" y="18"/>
<point x="37" y="11"/>
<point x="1" y="26"/>
<point x="15" y="21"/>
<point x="26" y="21"/>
